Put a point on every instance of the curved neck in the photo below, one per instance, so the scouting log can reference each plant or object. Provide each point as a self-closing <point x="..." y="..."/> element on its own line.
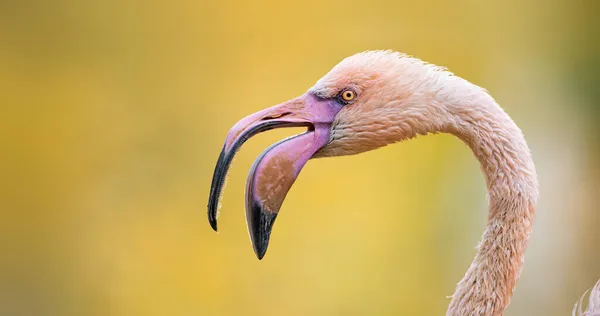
<point x="500" y="147"/>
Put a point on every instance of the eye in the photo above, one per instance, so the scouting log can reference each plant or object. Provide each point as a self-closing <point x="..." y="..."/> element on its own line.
<point x="348" y="95"/>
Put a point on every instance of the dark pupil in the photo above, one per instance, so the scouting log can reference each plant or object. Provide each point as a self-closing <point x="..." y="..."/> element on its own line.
<point x="348" y="95"/>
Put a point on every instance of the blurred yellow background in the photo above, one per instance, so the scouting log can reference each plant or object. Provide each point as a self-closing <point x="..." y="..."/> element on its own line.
<point x="113" y="114"/>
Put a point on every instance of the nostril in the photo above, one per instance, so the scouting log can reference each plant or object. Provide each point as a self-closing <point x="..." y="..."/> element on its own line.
<point x="275" y="116"/>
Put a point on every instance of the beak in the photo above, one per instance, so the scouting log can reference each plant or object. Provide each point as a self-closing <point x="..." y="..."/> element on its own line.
<point x="276" y="169"/>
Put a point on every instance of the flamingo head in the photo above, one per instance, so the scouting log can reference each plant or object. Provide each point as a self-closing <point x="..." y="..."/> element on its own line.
<point x="348" y="111"/>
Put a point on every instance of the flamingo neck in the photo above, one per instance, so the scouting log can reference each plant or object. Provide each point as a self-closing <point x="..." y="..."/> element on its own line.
<point x="499" y="145"/>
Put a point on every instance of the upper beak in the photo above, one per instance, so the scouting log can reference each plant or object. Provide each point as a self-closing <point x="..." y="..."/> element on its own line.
<point x="276" y="169"/>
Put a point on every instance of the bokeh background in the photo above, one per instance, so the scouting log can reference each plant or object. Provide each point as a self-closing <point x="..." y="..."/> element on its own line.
<point x="113" y="113"/>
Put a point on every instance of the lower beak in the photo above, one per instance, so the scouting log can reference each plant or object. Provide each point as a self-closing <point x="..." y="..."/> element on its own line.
<point x="275" y="170"/>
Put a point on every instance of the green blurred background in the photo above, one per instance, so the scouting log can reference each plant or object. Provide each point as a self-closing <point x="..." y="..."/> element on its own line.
<point x="113" y="114"/>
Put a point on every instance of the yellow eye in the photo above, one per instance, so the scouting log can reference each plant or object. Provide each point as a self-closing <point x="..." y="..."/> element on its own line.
<point x="348" y="95"/>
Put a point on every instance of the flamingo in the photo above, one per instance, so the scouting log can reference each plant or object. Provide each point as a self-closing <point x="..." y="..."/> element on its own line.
<point x="376" y="98"/>
<point x="593" y="308"/>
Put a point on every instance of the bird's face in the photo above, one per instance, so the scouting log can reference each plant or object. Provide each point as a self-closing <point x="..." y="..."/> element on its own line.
<point x="343" y="114"/>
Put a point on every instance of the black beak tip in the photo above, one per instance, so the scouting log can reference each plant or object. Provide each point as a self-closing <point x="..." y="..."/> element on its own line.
<point x="260" y="252"/>
<point x="213" y="223"/>
<point x="217" y="186"/>
<point x="260" y="224"/>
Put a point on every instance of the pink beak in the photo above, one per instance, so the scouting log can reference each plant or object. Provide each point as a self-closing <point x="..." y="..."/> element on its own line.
<point x="276" y="169"/>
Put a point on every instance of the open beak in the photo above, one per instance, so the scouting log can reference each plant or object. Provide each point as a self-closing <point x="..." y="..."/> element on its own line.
<point x="276" y="169"/>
